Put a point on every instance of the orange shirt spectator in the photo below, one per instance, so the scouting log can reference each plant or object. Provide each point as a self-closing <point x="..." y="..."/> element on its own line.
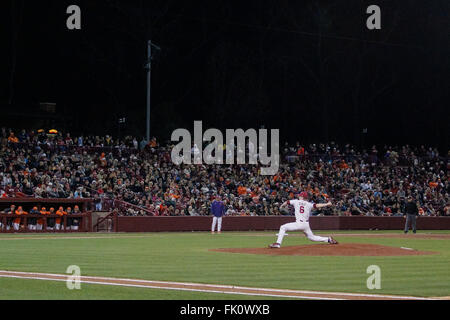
<point x="162" y="209"/>
<point x="433" y="184"/>
<point x="153" y="143"/>
<point x="12" y="138"/>
<point x="174" y="196"/>
<point x="242" y="190"/>
<point x="103" y="162"/>
<point x="343" y="165"/>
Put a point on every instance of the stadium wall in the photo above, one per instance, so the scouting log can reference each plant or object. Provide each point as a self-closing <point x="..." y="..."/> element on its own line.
<point x="174" y="224"/>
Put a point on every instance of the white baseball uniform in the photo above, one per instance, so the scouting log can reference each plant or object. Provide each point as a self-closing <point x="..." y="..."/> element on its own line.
<point x="302" y="213"/>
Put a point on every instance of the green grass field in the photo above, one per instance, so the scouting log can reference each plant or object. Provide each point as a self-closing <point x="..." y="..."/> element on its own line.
<point x="185" y="257"/>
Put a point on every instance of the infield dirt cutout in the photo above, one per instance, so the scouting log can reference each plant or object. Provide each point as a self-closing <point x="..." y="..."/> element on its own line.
<point x="346" y="249"/>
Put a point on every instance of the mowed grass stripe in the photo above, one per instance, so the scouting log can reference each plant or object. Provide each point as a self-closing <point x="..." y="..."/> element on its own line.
<point x="185" y="257"/>
<point x="225" y="289"/>
<point x="24" y="289"/>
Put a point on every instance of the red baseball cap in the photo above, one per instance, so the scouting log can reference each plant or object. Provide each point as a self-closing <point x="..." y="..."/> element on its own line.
<point x="304" y="195"/>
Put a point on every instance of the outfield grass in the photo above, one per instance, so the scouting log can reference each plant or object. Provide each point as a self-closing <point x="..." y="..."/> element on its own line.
<point x="185" y="257"/>
<point x="19" y="289"/>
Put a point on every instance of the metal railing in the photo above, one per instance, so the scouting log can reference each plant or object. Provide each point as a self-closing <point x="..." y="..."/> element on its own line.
<point x="120" y="206"/>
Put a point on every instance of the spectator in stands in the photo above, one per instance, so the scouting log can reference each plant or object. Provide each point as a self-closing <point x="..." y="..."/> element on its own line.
<point x="78" y="193"/>
<point x="447" y="209"/>
<point x="12" y="138"/>
<point x="98" y="203"/>
<point x="363" y="182"/>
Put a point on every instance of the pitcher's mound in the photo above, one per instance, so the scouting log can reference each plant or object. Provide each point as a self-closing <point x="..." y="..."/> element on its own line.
<point x="346" y="249"/>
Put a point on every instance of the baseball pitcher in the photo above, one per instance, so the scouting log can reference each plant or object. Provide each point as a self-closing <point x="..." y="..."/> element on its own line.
<point x="302" y="213"/>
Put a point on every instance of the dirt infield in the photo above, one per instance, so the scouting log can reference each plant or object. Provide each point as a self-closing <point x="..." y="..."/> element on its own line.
<point x="211" y="288"/>
<point x="421" y="236"/>
<point x="347" y="249"/>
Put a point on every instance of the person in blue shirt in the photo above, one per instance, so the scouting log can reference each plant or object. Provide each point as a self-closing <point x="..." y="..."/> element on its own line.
<point x="218" y="211"/>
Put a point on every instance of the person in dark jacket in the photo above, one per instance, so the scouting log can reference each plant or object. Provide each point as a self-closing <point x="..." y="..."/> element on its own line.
<point x="218" y="211"/>
<point x="411" y="212"/>
<point x="9" y="221"/>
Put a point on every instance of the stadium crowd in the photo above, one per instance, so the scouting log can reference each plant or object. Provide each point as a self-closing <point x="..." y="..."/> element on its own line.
<point x="141" y="174"/>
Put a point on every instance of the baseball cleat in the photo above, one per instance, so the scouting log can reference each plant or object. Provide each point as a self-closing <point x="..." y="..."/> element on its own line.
<point x="332" y="241"/>
<point x="275" y="246"/>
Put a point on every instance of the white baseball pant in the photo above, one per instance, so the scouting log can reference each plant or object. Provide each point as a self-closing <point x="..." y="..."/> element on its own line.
<point x="299" y="226"/>
<point x="59" y="226"/>
<point x="217" y="221"/>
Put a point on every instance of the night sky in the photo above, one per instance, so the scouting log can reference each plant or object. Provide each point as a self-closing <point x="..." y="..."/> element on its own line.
<point x="310" y="68"/>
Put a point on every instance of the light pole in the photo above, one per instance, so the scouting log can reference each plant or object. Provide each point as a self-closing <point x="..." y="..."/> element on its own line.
<point x="148" y="66"/>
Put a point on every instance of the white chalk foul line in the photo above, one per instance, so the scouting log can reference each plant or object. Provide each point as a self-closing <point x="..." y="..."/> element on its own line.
<point x="74" y="237"/>
<point x="207" y="288"/>
<point x="177" y="289"/>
